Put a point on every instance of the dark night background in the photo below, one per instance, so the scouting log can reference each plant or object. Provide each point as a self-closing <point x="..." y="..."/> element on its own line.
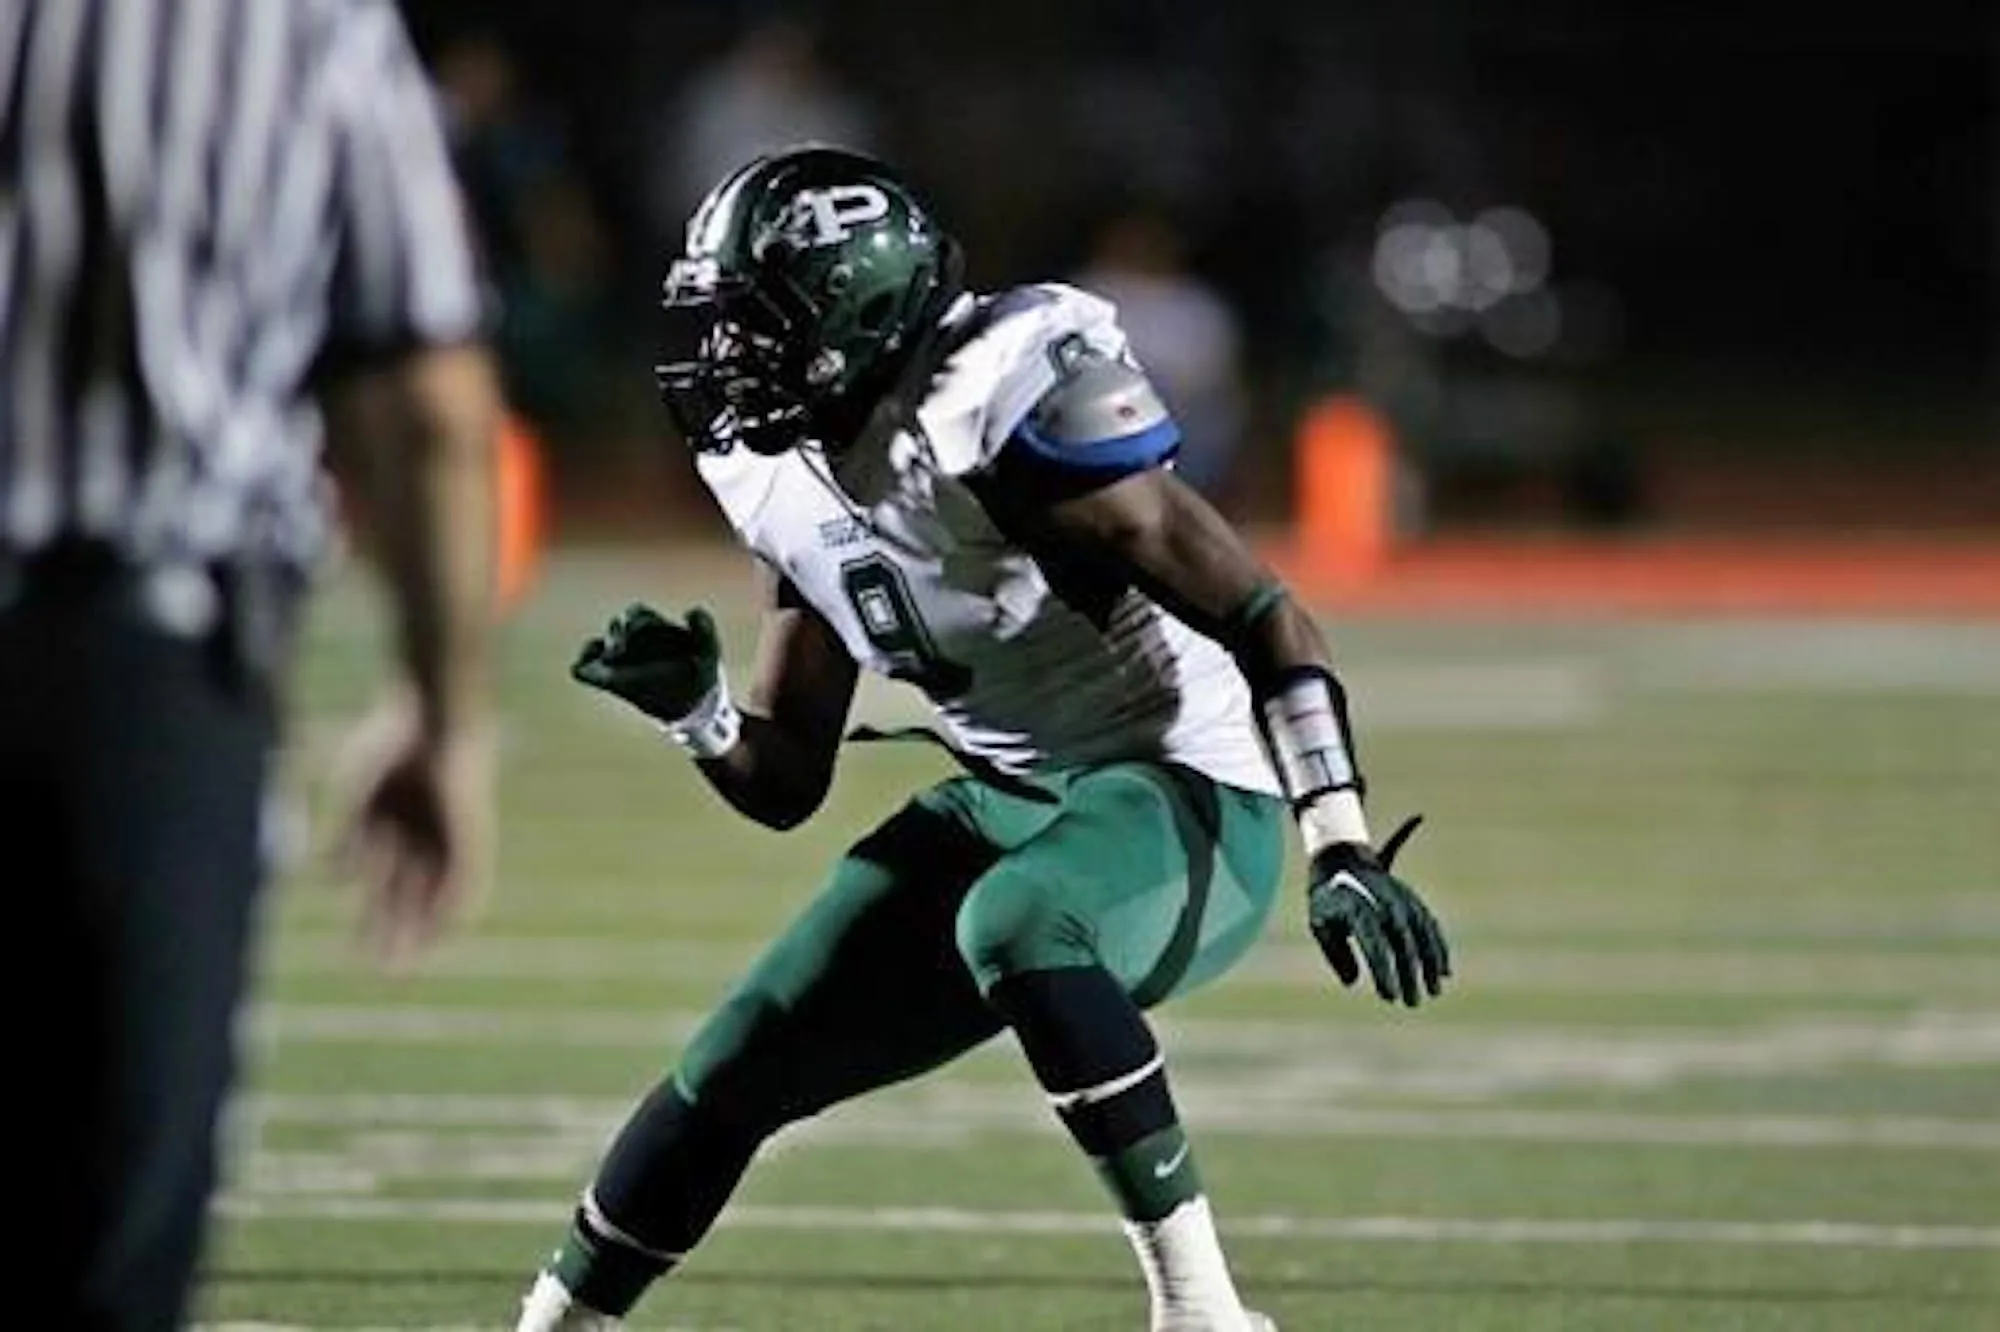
<point x="1788" y="218"/>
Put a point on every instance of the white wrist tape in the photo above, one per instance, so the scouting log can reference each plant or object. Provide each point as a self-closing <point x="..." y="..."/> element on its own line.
<point x="1334" y="817"/>
<point x="1305" y="721"/>
<point x="712" y="728"/>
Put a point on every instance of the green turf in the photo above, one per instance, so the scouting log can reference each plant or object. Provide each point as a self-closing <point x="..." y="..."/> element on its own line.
<point x="1724" y="1052"/>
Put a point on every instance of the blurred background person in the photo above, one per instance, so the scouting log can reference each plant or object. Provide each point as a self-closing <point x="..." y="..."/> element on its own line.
<point x="555" y="335"/>
<point x="543" y="234"/>
<point x="1184" y="330"/>
<point x="501" y="145"/>
<point x="771" y="88"/>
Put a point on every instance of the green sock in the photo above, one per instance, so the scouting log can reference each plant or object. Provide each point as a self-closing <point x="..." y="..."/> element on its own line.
<point x="602" y="1274"/>
<point x="1153" y="1176"/>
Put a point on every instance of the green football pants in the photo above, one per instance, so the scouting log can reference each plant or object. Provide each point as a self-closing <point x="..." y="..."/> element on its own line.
<point x="1154" y="872"/>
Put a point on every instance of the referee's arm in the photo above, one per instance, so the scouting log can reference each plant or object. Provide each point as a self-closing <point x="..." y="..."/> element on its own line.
<point x="413" y="410"/>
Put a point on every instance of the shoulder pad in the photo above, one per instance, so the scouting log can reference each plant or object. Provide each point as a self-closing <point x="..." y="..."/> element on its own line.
<point x="1096" y="397"/>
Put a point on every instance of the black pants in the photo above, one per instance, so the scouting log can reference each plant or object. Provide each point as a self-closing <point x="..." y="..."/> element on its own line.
<point x="132" y="771"/>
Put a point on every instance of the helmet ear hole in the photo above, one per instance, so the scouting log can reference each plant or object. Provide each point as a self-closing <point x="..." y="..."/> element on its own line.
<point x="876" y="312"/>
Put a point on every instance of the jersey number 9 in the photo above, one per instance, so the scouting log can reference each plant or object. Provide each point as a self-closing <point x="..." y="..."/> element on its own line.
<point x="889" y="617"/>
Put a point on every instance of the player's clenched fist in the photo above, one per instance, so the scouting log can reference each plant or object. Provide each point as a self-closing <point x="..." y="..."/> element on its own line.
<point x="668" y="671"/>
<point x="1356" y="903"/>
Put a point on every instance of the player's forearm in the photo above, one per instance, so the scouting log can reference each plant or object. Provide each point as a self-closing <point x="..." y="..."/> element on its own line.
<point x="1302" y="709"/>
<point x="769" y="775"/>
<point x="429" y="484"/>
<point x="1282" y="640"/>
<point x="1185" y="556"/>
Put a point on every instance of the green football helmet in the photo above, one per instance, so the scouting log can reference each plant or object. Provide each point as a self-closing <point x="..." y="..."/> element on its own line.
<point x="809" y="280"/>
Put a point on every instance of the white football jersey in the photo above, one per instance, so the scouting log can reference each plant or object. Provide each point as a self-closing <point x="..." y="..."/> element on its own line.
<point x="890" y="543"/>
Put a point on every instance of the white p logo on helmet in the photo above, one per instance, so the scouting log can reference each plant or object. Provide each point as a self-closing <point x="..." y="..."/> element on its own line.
<point x="829" y="216"/>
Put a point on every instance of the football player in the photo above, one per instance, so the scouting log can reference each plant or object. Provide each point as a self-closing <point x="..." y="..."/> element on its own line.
<point x="972" y="493"/>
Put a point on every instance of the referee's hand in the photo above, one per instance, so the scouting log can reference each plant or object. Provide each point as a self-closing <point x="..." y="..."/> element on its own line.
<point x="418" y="828"/>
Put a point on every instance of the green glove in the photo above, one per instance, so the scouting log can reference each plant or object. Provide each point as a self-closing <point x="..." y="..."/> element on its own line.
<point x="1355" y="902"/>
<point x="668" y="671"/>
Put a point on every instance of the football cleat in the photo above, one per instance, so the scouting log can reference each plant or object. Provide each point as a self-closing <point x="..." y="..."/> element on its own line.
<point x="548" y="1307"/>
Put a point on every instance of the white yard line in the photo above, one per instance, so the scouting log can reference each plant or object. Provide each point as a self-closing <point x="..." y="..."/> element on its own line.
<point x="948" y="1111"/>
<point x="1215" y="1109"/>
<point x="1270" y="1080"/>
<point x="530" y="957"/>
<point x="1920" y="976"/>
<point x="968" y="1221"/>
<point x="1858" y="656"/>
<point x="1299" y="1059"/>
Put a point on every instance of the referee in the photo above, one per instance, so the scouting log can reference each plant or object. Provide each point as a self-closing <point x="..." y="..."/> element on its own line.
<point x="231" y="255"/>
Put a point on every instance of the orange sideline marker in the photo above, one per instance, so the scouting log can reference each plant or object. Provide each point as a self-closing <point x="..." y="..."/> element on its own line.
<point x="1345" y="505"/>
<point x="521" y="511"/>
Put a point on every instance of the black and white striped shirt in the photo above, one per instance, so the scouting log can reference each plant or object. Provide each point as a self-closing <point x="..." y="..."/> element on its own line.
<point x="203" y="204"/>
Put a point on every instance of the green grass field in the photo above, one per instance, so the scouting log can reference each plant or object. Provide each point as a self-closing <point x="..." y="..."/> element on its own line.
<point x="1724" y="1051"/>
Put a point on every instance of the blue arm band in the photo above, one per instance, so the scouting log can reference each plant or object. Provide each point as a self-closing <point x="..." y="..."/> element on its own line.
<point x="1122" y="454"/>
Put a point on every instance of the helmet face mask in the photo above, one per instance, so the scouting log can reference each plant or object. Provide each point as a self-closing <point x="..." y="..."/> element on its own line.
<point x="807" y="280"/>
<point x="725" y="375"/>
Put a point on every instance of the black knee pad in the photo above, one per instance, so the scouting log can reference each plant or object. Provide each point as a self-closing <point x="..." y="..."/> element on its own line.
<point x="1080" y="1032"/>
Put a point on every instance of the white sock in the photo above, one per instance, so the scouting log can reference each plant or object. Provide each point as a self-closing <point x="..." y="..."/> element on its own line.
<point x="549" y="1307"/>
<point x="1186" y="1273"/>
